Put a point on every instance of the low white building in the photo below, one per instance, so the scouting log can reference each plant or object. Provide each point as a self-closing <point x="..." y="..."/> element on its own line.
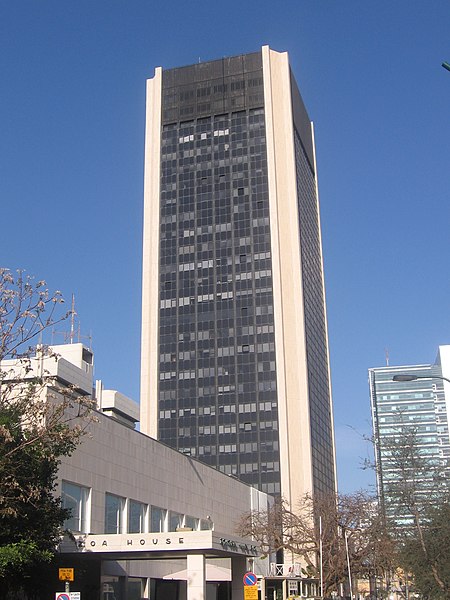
<point x="146" y="521"/>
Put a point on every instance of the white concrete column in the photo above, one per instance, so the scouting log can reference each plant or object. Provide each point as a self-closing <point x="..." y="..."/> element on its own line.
<point x="146" y="590"/>
<point x="238" y="570"/>
<point x="196" y="577"/>
<point x="262" y="587"/>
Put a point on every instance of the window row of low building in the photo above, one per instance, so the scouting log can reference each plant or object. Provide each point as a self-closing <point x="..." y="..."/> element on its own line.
<point x="124" y="515"/>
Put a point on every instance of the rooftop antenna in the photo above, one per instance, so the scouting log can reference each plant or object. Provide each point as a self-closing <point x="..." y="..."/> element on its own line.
<point x="386" y="354"/>
<point x="75" y="329"/>
<point x="72" y="320"/>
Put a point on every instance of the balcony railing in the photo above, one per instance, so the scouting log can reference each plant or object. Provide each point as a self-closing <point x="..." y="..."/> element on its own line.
<point x="285" y="570"/>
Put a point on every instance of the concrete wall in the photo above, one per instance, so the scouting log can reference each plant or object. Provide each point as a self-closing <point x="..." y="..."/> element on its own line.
<point x="292" y="372"/>
<point x="115" y="459"/>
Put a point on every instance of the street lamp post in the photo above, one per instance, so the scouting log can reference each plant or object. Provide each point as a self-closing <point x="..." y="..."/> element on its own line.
<point x="350" y="583"/>
<point x="446" y="66"/>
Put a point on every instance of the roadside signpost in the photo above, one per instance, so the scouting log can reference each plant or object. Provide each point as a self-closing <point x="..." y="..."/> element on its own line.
<point x="250" y="579"/>
<point x="251" y="592"/>
<point x="67" y="575"/>
<point x="250" y="586"/>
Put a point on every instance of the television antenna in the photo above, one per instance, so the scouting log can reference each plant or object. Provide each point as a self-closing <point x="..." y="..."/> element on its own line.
<point x="74" y="334"/>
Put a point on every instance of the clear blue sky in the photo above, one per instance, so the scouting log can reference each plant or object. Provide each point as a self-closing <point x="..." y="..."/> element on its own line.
<point x="71" y="165"/>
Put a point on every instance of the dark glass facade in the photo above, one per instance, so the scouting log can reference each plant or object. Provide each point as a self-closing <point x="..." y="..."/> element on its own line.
<point x="217" y="384"/>
<point x="322" y="449"/>
<point x="217" y="388"/>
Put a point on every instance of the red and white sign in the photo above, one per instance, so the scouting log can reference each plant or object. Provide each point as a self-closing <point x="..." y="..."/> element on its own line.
<point x="250" y="579"/>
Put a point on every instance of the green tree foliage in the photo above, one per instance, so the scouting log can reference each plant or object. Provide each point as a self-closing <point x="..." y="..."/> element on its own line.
<point x="429" y="559"/>
<point x="40" y="421"/>
<point x="30" y="515"/>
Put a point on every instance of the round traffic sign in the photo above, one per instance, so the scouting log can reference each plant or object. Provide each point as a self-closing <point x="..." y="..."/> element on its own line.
<point x="250" y="579"/>
<point x="63" y="597"/>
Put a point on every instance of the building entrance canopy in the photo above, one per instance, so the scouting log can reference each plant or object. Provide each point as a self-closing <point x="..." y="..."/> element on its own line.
<point x="193" y="546"/>
<point x="145" y="546"/>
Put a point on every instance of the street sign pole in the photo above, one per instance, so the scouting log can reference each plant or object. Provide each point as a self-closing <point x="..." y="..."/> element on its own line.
<point x="250" y="586"/>
<point x="67" y="595"/>
<point x="66" y="575"/>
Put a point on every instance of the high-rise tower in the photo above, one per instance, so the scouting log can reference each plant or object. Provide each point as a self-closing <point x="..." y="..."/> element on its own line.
<point x="410" y="430"/>
<point x="235" y="367"/>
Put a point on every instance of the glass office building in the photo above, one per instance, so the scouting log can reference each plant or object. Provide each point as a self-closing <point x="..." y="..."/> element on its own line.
<point x="415" y="412"/>
<point x="235" y="367"/>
